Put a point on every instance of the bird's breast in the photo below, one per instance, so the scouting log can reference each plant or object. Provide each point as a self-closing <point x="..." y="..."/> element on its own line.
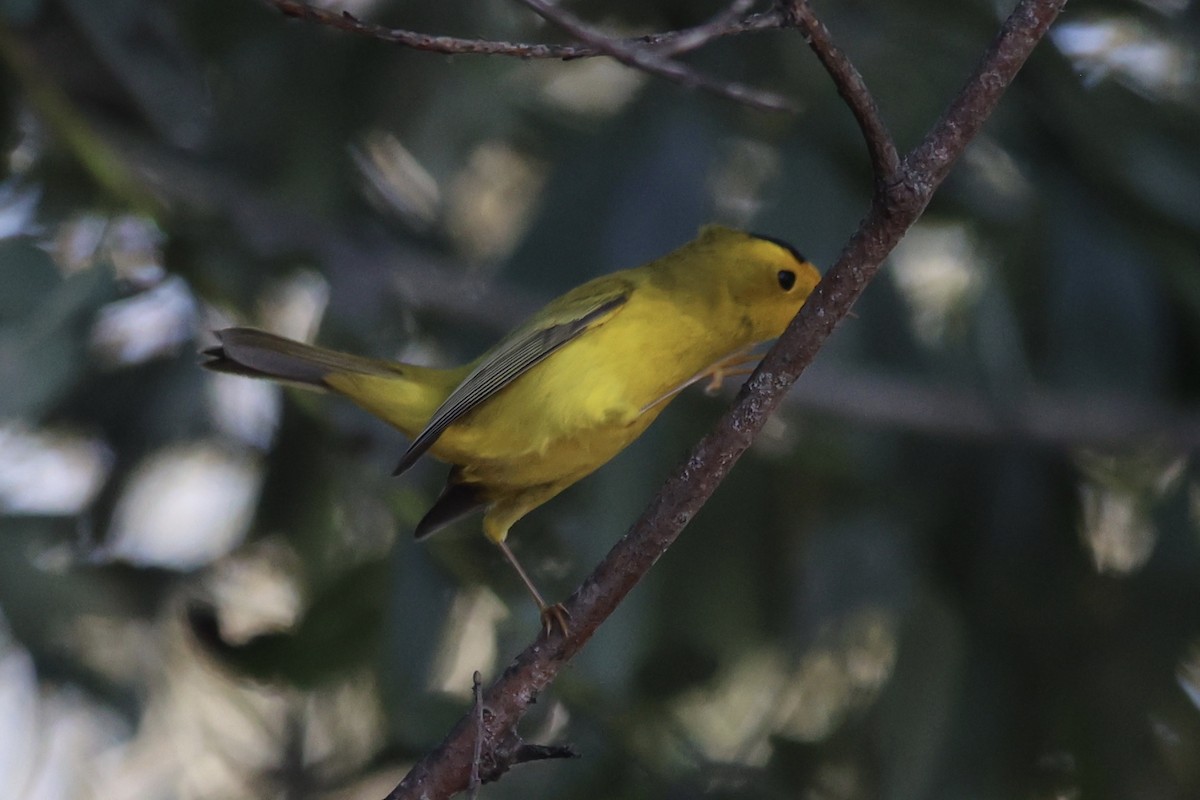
<point x="584" y="403"/>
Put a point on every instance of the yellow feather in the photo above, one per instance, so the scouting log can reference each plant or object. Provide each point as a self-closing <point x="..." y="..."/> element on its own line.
<point x="563" y="393"/>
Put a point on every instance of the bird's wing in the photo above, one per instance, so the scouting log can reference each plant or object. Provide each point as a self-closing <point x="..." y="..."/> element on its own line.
<point x="556" y="325"/>
<point x="456" y="500"/>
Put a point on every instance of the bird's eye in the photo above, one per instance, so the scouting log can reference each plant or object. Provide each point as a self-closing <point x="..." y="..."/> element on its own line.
<point x="787" y="279"/>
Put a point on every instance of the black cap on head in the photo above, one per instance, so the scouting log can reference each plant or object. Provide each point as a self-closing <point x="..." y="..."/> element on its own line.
<point x="785" y="245"/>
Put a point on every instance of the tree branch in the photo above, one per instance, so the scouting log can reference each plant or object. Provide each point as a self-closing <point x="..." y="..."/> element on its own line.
<point x="718" y="26"/>
<point x="446" y="769"/>
<point x="649" y="54"/>
<point x="1035" y="414"/>
<point x="649" y="60"/>
<point x="885" y="162"/>
<point x="447" y="45"/>
<point x="669" y="43"/>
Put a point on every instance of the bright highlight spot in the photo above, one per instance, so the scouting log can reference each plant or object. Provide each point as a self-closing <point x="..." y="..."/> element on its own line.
<point x="468" y="641"/>
<point x="1117" y="529"/>
<point x="49" y="472"/>
<point x="53" y="740"/>
<point x="18" y="209"/>
<point x="148" y="325"/>
<point x="491" y="199"/>
<point x="939" y="271"/>
<point x="399" y="179"/>
<point x="768" y="694"/>
<point x="256" y="592"/>
<point x="593" y="87"/>
<point x="1188" y="675"/>
<point x="1118" y="497"/>
<point x="1127" y="51"/>
<point x="185" y="506"/>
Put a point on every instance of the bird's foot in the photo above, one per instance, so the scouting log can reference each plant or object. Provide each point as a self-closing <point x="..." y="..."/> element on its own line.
<point x="555" y="616"/>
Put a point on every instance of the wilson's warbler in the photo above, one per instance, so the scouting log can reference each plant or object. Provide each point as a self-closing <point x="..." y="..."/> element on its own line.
<point x="567" y="390"/>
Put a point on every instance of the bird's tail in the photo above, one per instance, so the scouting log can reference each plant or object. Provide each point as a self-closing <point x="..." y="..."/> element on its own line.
<point x="258" y="354"/>
<point x="403" y="395"/>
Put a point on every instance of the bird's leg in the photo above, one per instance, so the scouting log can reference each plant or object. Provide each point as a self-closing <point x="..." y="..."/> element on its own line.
<point x="742" y="362"/>
<point x="735" y="365"/>
<point x="553" y="616"/>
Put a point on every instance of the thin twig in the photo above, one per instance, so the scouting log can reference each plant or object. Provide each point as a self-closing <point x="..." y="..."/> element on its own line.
<point x="733" y="21"/>
<point x="648" y="60"/>
<point x="647" y="53"/>
<point x="693" y="38"/>
<point x="477" y="693"/>
<point x="445" y="770"/>
<point x="668" y="43"/>
<point x="447" y="45"/>
<point x="850" y="85"/>
<point x="685" y="40"/>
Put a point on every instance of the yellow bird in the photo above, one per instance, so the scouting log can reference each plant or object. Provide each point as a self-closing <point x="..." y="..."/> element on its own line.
<point x="570" y="388"/>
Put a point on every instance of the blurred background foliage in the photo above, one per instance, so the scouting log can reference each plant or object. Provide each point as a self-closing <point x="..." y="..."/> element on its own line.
<point x="964" y="561"/>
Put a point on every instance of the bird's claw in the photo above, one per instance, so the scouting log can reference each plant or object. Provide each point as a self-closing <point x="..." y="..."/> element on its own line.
<point x="555" y="616"/>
